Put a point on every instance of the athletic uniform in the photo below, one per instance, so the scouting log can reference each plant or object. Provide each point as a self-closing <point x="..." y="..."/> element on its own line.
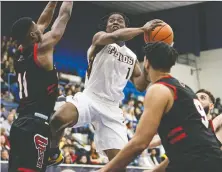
<point x="29" y="135"/>
<point x="107" y="75"/>
<point x="186" y="134"/>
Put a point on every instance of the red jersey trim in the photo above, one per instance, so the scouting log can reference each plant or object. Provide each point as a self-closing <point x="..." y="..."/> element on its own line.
<point x="35" y="55"/>
<point x="211" y="125"/>
<point x="167" y="76"/>
<point x="178" y="138"/>
<point x="26" y="170"/>
<point x="172" y="87"/>
<point x="174" y="131"/>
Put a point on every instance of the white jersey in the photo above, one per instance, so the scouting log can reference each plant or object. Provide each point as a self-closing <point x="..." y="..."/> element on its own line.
<point x="111" y="69"/>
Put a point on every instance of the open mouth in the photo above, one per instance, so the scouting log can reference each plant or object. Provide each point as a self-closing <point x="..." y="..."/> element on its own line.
<point x="115" y="27"/>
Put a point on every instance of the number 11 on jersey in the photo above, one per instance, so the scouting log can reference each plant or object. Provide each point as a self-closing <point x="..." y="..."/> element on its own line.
<point x="22" y="85"/>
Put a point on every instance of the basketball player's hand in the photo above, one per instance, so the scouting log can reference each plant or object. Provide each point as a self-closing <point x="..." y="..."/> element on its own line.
<point x="149" y="26"/>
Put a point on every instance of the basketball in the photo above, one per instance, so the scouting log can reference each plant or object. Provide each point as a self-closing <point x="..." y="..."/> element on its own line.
<point x="160" y="33"/>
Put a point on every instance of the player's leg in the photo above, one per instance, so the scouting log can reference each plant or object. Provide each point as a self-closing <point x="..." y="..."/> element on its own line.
<point x="74" y="113"/>
<point x="110" y="133"/>
<point x="65" y="116"/>
<point x="29" y="142"/>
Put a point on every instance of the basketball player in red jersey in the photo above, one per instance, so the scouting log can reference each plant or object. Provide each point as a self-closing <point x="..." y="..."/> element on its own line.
<point x="172" y="109"/>
<point x="38" y="85"/>
<point x="207" y="100"/>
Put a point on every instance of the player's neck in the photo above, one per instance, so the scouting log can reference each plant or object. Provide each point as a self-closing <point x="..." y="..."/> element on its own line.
<point x="157" y="75"/>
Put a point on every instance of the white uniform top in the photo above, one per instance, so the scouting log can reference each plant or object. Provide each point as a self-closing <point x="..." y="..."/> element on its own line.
<point x="111" y="69"/>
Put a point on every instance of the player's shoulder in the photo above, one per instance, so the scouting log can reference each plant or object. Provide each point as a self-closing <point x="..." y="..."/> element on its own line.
<point x="158" y="88"/>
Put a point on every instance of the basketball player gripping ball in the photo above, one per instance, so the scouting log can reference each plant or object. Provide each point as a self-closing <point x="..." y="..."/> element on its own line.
<point x="38" y="84"/>
<point x="172" y="109"/>
<point x="111" y="65"/>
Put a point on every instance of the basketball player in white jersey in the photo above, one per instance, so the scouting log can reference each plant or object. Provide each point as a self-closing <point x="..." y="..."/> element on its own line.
<point x="111" y="65"/>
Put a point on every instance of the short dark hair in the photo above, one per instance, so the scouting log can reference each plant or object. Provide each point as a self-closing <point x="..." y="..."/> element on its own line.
<point x="160" y="55"/>
<point x="104" y="20"/>
<point x="208" y="93"/>
<point x="20" y="28"/>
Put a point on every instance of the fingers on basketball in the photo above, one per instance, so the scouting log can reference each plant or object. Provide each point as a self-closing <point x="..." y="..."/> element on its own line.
<point x="160" y="32"/>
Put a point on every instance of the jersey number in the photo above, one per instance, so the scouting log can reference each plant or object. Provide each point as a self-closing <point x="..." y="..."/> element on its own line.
<point x="127" y="75"/>
<point x="22" y="85"/>
<point x="200" y="109"/>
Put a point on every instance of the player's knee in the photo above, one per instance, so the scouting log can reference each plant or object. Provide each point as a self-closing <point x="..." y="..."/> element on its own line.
<point x="56" y="121"/>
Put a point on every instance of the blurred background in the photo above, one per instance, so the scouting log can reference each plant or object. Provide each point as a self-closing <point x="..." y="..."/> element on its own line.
<point x="198" y="39"/>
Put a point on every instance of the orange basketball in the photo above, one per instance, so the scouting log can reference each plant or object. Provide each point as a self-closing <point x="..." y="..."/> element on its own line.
<point x="160" y="33"/>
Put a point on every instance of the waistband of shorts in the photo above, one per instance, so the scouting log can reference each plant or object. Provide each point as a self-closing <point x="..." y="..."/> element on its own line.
<point x="100" y="98"/>
<point x="35" y="114"/>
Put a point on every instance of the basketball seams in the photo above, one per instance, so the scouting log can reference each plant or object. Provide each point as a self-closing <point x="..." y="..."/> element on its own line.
<point x="166" y="37"/>
<point x="158" y="32"/>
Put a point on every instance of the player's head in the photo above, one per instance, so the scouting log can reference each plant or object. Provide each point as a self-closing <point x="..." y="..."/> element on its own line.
<point x="159" y="56"/>
<point x="25" y="31"/>
<point x="114" y="21"/>
<point x="206" y="99"/>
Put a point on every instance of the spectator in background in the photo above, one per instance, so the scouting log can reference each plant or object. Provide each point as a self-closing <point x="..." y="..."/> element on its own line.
<point x="5" y="141"/>
<point x="83" y="159"/>
<point x="6" y="124"/>
<point x="4" y="112"/>
<point x="4" y="155"/>
<point x="67" y="159"/>
<point x="154" y="157"/>
<point x="94" y="156"/>
<point x="6" y="67"/>
<point x="7" y="96"/>
<point x="130" y="130"/>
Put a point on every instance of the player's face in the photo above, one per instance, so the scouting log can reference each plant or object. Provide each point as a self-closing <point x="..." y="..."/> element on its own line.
<point x="146" y="68"/>
<point x="115" y="22"/>
<point x="205" y="101"/>
<point x="35" y="33"/>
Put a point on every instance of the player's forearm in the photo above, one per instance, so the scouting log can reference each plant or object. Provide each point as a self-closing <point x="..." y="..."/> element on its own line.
<point x="127" y="33"/>
<point x="66" y="9"/>
<point x="64" y="15"/>
<point x="124" y="157"/>
<point x="141" y="82"/>
<point x="47" y="15"/>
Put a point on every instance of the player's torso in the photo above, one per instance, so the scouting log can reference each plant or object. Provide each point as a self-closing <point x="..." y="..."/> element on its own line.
<point x="38" y="88"/>
<point x="111" y="68"/>
<point x="185" y="130"/>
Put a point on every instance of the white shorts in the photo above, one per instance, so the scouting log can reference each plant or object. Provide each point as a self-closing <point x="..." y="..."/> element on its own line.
<point x="107" y="118"/>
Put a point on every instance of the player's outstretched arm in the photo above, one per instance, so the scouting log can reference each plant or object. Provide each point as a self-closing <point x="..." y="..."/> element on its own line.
<point x="52" y="37"/>
<point x="155" y="104"/>
<point x="125" y="34"/>
<point x="46" y="16"/>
